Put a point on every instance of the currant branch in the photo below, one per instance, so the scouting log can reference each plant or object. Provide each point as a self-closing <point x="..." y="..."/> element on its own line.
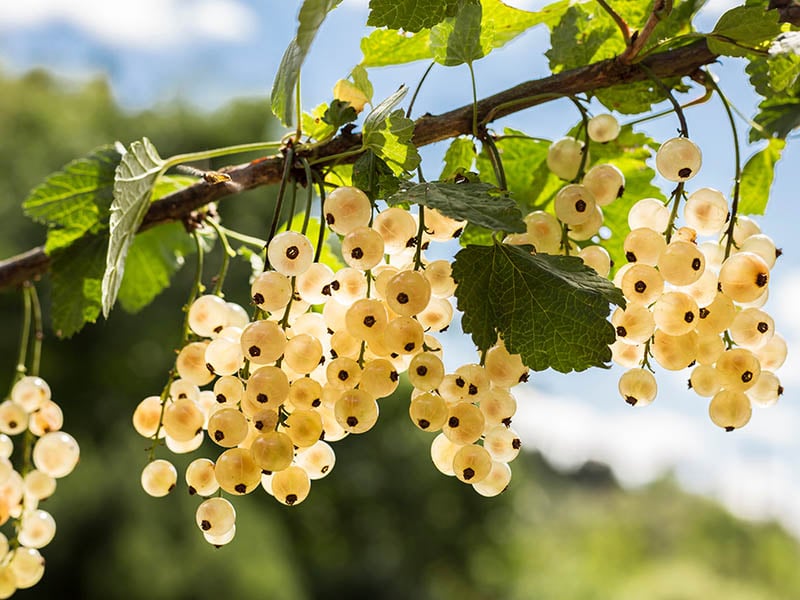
<point x="428" y="129"/>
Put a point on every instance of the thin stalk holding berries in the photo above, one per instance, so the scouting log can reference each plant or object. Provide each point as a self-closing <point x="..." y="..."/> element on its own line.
<point x="24" y="337"/>
<point x="227" y="254"/>
<point x="684" y="127"/>
<point x="737" y="166"/>
<point x="586" y="139"/>
<point x="276" y="215"/>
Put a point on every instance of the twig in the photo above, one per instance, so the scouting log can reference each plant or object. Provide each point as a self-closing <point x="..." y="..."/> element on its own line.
<point x="621" y="23"/>
<point x="661" y="9"/>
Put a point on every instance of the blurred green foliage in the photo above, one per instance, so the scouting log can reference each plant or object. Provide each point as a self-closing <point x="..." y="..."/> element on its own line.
<point x="386" y="524"/>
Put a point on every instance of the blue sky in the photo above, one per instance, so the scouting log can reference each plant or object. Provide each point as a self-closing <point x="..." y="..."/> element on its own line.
<point x="210" y="51"/>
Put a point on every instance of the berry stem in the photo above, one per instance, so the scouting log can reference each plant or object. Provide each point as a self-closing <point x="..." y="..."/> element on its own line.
<point x="684" y="128"/>
<point x="496" y="160"/>
<point x="309" y="194"/>
<point x="292" y="206"/>
<point x="287" y="171"/>
<point x="586" y="140"/>
<point x="676" y="195"/>
<point x="420" y="233"/>
<point x="197" y="289"/>
<point x="24" y="336"/>
<point x="38" y="332"/>
<point x="737" y="165"/>
<point x="227" y="253"/>
<point x="322" y="222"/>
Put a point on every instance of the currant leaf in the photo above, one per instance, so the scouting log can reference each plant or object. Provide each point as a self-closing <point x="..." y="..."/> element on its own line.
<point x="744" y="29"/>
<point x="479" y="203"/>
<point x="757" y="177"/>
<point x="76" y="199"/>
<point x="462" y="38"/>
<point x="133" y="185"/>
<point x="409" y="15"/>
<point x="77" y="274"/>
<point x="310" y="18"/>
<point x="459" y="157"/>
<point x="552" y="310"/>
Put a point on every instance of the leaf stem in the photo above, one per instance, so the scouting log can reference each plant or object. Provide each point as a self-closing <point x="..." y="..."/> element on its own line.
<point x="334" y="157"/>
<point x="701" y="100"/>
<point x="676" y="196"/>
<point x="420" y="233"/>
<point x="418" y="88"/>
<point x="292" y="206"/>
<point x="517" y="101"/>
<point x="215" y="152"/>
<point x="474" y="100"/>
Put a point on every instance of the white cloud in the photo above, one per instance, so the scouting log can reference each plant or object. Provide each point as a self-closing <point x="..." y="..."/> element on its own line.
<point x="145" y="23"/>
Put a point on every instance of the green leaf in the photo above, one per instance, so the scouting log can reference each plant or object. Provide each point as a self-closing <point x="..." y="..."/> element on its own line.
<point x="76" y="199"/>
<point x="76" y="274"/>
<point x="459" y="157"/>
<point x="312" y="14"/>
<point x="479" y="203"/>
<point x="169" y="184"/>
<point x="631" y="98"/>
<point x="550" y="309"/>
<point x="502" y="23"/>
<point x="314" y="124"/>
<point x="777" y="116"/>
<point x="743" y="29"/>
<point x="339" y="113"/>
<point x="409" y="15"/>
<point x="757" y="177"/>
<point x="380" y="113"/>
<point x="385" y="47"/>
<point x="372" y="175"/>
<point x="388" y="133"/>
<point x="133" y="185"/>
<point x="154" y="257"/>
<point x="361" y="81"/>
<point x="460" y="39"/>
<point x="585" y="34"/>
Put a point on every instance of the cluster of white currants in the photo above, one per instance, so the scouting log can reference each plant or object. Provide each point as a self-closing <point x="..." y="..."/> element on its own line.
<point x="578" y="207"/>
<point x="327" y="346"/>
<point x="472" y="408"/>
<point x="45" y="454"/>
<point x="694" y="302"/>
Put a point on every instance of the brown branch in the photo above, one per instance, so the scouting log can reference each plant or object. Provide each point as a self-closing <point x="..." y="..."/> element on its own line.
<point x="661" y="9"/>
<point x="428" y="129"/>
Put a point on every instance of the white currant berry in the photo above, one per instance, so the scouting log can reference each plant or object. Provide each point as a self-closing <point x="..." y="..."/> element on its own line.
<point x="290" y="253"/>
<point x="30" y="392"/>
<point x="605" y="182"/>
<point x="730" y="409"/>
<point x="649" y="212"/>
<point x="597" y="258"/>
<point x="271" y="291"/>
<point x="603" y="128"/>
<point x="496" y="481"/>
<point x="159" y="478"/>
<point x="638" y="387"/>
<point x="574" y="204"/>
<point x="544" y="232"/>
<point x="346" y="208"/>
<point x="678" y="159"/>
<point x="564" y="157"/>
<point x="706" y="211"/>
<point x="744" y="276"/>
